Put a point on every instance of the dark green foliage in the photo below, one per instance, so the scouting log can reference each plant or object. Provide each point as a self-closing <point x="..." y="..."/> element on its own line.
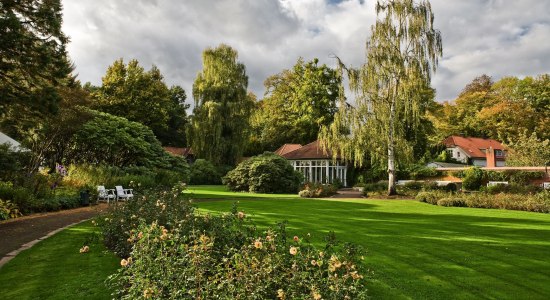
<point x="33" y="58"/>
<point x="118" y="142"/>
<point x="204" y="172"/>
<point x="140" y="178"/>
<point x="11" y="162"/>
<point x="219" y="126"/>
<point x="297" y="102"/>
<point x="473" y="179"/>
<point x="38" y="198"/>
<point x="142" y="96"/>
<point x="265" y="173"/>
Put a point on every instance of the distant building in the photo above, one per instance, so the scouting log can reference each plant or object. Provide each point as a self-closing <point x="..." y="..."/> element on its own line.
<point x="315" y="164"/>
<point x="187" y="153"/>
<point x="476" y="151"/>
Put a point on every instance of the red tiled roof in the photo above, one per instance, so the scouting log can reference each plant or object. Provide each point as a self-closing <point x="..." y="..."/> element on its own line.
<point x="473" y="146"/>
<point x="284" y="149"/>
<point x="309" y="151"/>
<point x="179" y="151"/>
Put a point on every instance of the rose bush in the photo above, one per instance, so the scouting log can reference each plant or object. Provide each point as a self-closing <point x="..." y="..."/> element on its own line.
<point x="169" y="251"/>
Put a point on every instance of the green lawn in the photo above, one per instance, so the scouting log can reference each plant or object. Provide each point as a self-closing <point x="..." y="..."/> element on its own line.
<point x="417" y="250"/>
<point x="54" y="268"/>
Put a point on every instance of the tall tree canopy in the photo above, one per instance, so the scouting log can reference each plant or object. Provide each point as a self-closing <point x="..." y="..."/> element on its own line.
<point x="297" y="103"/>
<point x="501" y="110"/>
<point x="392" y="87"/>
<point x="220" y="120"/>
<point x="33" y="59"/>
<point x="142" y="96"/>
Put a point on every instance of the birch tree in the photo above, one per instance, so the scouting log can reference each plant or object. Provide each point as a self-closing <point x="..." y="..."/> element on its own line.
<point x="391" y="88"/>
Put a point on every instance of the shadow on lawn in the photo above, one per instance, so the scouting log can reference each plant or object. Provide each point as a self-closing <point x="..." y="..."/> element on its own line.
<point x="426" y="251"/>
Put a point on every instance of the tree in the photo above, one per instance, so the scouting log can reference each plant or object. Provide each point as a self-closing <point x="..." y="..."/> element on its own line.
<point x="142" y="96"/>
<point x="220" y="121"/>
<point x="297" y="103"/>
<point x="33" y="61"/>
<point x="528" y="150"/>
<point x="115" y="141"/>
<point x="391" y="87"/>
<point x="501" y="110"/>
<point x="174" y="134"/>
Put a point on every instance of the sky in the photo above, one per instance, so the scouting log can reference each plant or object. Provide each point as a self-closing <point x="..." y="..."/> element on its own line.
<point x="494" y="37"/>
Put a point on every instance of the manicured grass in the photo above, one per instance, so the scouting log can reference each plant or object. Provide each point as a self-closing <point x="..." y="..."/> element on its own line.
<point x="54" y="268"/>
<point x="417" y="250"/>
<point x="221" y="192"/>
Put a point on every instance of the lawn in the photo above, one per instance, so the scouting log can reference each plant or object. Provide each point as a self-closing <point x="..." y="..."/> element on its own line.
<point x="54" y="268"/>
<point x="417" y="250"/>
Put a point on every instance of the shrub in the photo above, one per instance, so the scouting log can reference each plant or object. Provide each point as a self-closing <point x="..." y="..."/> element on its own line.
<point x="225" y="257"/>
<point x="539" y="202"/>
<point x="306" y="194"/>
<point x="413" y="185"/>
<point x="451" y="201"/>
<point x="204" y="172"/>
<point x="473" y="179"/>
<point x="164" y="207"/>
<point x="312" y="190"/>
<point x="20" y="196"/>
<point x="380" y="186"/>
<point x="512" y="188"/>
<point x="8" y="210"/>
<point x="431" y="197"/>
<point x="265" y="173"/>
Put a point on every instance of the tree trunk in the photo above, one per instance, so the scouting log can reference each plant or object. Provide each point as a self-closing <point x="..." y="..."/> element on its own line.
<point x="391" y="153"/>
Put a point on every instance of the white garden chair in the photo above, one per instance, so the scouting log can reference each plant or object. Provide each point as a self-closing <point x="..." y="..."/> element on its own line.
<point x="105" y="194"/>
<point x="123" y="194"/>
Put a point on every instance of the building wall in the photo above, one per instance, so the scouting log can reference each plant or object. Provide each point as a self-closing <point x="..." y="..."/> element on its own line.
<point x="479" y="162"/>
<point x="458" y="154"/>
<point x="321" y="170"/>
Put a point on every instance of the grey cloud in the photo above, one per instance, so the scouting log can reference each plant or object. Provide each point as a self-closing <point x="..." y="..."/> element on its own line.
<point x="498" y="38"/>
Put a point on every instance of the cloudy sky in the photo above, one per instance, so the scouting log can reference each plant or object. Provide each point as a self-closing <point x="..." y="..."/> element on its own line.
<point x="494" y="37"/>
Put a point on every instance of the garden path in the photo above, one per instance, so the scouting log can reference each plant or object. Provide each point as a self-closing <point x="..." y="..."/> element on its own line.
<point x="348" y="193"/>
<point x="22" y="233"/>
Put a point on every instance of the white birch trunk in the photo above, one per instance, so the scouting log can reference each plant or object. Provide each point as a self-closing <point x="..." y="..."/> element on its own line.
<point x="391" y="152"/>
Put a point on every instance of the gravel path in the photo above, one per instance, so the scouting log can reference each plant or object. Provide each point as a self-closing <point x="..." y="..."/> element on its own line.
<point x="19" y="233"/>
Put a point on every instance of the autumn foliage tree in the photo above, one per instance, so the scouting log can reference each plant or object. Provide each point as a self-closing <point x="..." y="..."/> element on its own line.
<point x="501" y="110"/>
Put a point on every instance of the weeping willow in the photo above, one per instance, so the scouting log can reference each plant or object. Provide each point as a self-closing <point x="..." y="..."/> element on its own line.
<point x="220" y="121"/>
<point x="390" y="87"/>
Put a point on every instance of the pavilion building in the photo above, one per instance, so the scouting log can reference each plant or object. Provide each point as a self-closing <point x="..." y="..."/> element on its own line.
<point x="317" y="165"/>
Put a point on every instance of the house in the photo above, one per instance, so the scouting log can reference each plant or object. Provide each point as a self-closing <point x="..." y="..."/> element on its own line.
<point x="476" y="151"/>
<point x="315" y="164"/>
<point x="187" y="153"/>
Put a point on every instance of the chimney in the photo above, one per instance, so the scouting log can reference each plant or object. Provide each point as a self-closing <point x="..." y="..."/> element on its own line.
<point x="490" y="155"/>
